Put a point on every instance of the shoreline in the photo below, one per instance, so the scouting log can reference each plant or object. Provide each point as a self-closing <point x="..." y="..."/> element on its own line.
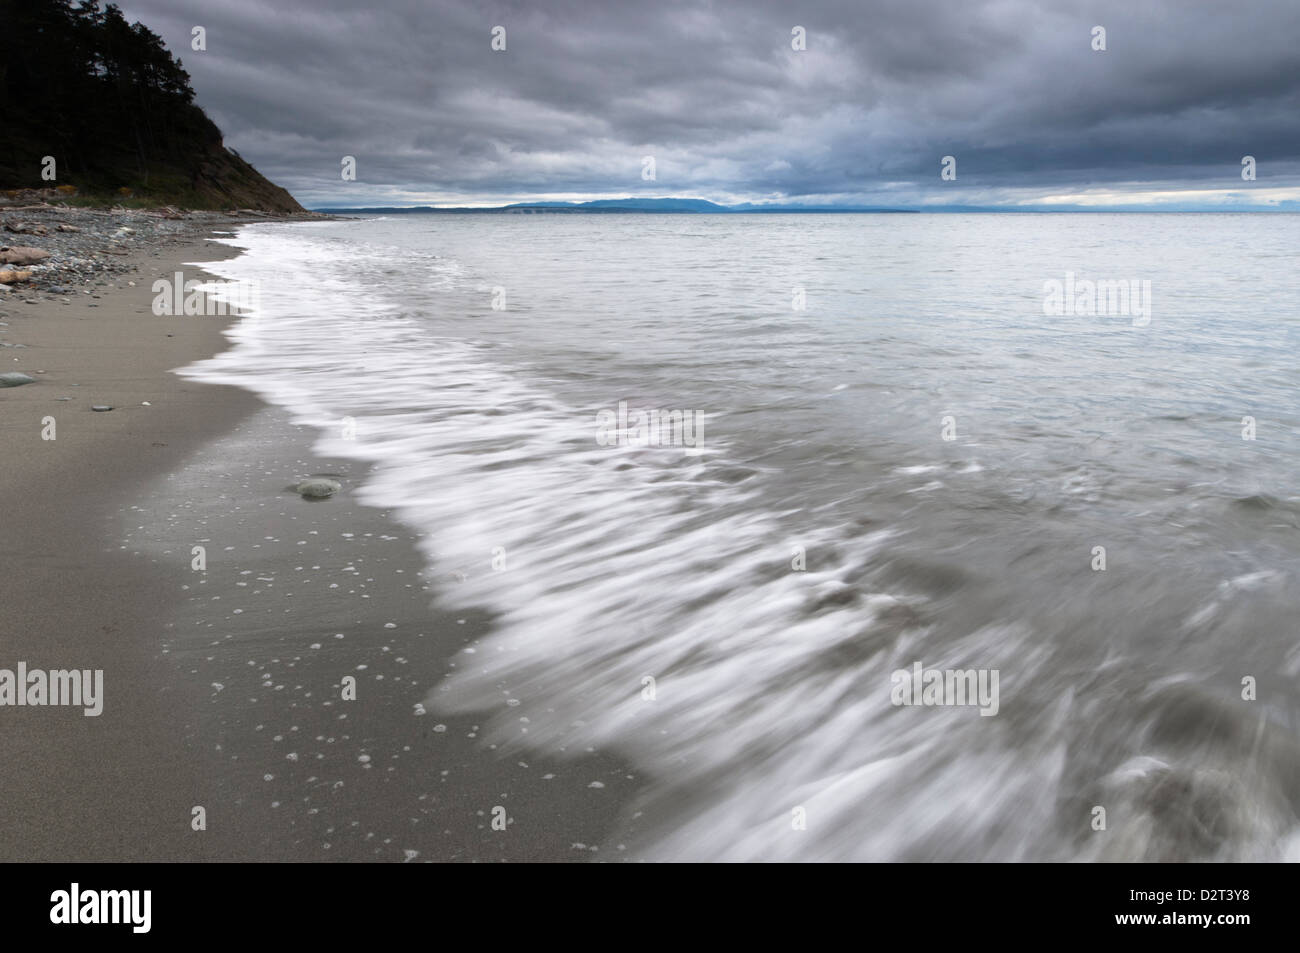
<point x="79" y="788"/>
<point x="97" y="574"/>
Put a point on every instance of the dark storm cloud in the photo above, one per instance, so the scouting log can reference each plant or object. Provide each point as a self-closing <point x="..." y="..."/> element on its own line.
<point x="715" y="93"/>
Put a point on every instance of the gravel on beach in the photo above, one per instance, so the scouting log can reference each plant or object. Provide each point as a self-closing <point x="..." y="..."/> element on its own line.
<point x="90" y="246"/>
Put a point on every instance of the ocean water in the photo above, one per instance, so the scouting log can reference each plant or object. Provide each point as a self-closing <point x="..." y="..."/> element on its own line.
<point x="917" y="466"/>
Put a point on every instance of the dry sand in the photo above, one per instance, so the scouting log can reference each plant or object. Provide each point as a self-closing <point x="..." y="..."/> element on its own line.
<point x="76" y="787"/>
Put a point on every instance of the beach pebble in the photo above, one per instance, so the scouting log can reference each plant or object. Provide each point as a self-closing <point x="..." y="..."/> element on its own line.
<point x="100" y="408"/>
<point x="318" y="489"/>
<point x="22" y="255"/>
<point x="15" y="379"/>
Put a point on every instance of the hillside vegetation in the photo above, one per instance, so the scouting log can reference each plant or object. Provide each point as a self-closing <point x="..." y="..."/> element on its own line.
<point x="116" y="112"/>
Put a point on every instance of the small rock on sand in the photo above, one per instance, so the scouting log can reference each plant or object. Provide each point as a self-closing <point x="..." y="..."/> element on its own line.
<point x="318" y="489"/>
<point x="15" y="379"/>
<point x="100" y="408"/>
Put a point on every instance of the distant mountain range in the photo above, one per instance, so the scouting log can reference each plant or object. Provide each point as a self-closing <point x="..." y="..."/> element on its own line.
<point x="698" y="206"/>
<point x="688" y="206"/>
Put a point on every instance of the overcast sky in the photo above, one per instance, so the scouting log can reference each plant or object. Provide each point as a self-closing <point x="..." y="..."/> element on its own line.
<point x="731" y="112"/>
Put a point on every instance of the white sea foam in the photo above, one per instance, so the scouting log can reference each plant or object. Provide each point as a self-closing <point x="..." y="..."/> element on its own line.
<point x="771" y="686"/>
<point x="612" y="573"/>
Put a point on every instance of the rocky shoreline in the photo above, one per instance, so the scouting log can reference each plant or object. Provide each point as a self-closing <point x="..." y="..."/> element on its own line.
<point x="52" y="252"/>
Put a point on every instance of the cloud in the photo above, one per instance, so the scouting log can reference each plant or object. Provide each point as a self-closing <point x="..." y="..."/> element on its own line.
<point x="716" y="94"/>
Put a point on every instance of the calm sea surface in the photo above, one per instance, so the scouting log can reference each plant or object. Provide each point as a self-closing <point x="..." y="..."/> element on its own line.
<point x="917" y="466"/>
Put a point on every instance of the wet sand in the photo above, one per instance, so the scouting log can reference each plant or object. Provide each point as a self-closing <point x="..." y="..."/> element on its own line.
<point x="224" y="685"/>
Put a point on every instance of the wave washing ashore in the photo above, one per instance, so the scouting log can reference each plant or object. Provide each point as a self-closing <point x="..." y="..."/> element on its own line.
<point x="946" y="576"/>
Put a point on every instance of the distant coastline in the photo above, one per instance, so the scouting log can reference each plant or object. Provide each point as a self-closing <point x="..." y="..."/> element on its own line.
<point x="659" y="206"/>
<point x="662" y="206"/>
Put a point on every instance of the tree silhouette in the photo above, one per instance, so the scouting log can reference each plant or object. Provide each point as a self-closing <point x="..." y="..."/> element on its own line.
<point x="107" y="100"/>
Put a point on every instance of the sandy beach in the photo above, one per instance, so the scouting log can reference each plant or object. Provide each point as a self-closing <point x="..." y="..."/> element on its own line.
<point x="223" y="688"/>
<point x="77" y="787"/>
